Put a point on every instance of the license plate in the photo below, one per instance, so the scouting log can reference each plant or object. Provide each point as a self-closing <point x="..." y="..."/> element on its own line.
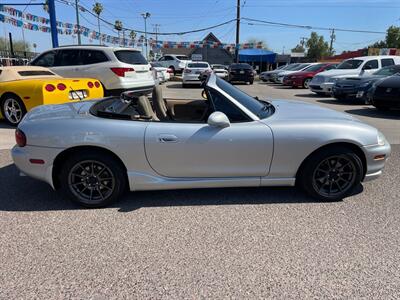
<point x="76" y="95"/>
<point x="198" y="72"/>
<point x="241" y="72"/>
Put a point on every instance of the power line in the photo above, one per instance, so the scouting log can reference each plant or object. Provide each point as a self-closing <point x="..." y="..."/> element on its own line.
<point x="310" y="27"/>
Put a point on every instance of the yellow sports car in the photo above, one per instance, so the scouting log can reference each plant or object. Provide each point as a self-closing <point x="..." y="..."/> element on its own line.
<point x="24" y="87"/>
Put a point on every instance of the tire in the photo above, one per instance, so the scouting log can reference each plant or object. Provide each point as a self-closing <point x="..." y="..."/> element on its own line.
<point x="173" y="70"/>
<point x="12" y="109"/>
<point x="184" y="85"/>
<point x="306" y="83"/>
<point x="320" y="93"/>
<point x="87" y="190"/>
<point x="331" y="174"/>
<point x="251" y="82"/>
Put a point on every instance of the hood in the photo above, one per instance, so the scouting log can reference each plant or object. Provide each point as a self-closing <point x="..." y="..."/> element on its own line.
<point x="358" y="80"/>
<point x="303" y="73"/>
<point x="340" y="72"/>
<point x="298" y="110"/>
<point x="391" y="82"/>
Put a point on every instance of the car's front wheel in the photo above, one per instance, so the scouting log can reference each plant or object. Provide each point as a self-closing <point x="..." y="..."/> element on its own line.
<point x="331" y="174"/>
<point x="92" y="179"/>
<point x="12" y="109"/>
<point x="306" y="83"/>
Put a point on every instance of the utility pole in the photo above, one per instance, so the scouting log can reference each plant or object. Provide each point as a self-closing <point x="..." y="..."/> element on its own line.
<point x="77" y="22"/>
<point x="145" y="16"/>
<point x="237" y="31"/>
<point x="333" y="38"/>
<point x="53" y="23"/>
<point x="156" y="27"/>
<point x="11" y="44"/>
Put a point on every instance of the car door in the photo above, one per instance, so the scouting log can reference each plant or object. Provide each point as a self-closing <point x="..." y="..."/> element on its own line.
<point x="370" y="66"/>
<point x="177" y="149"/>
<point x="68" y="63"/>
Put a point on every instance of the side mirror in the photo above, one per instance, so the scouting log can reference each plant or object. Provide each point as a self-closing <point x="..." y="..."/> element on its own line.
<point x="218" y="119"/>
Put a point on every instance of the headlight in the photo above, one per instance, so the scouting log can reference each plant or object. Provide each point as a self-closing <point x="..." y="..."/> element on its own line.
<point x="332" y="80"/>
<point x="365" y="84"/>
<point x="381" y="139"/>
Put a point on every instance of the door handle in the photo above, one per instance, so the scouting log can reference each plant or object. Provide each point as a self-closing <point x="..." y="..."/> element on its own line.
<point x="167" y="138"/>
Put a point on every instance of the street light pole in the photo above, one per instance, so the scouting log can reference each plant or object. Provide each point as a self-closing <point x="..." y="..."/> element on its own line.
<point x="145" y="16"/>
<point x="77" y="22"/>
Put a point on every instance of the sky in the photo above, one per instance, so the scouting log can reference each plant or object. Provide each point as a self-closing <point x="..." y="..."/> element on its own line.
<point x="184" y="15"/>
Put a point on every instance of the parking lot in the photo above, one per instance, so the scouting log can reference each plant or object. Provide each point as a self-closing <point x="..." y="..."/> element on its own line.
<point x="223" y="243"/>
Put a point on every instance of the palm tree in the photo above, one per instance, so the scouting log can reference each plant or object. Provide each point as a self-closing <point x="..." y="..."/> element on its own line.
<point x="132" y="35"/>
<point x="98" y="9"/>
<point x="46" y="6"/>
<point x="118" y="27"/>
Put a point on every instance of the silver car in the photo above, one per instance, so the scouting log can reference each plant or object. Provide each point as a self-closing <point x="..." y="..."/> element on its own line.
<point x="93" y="151"/>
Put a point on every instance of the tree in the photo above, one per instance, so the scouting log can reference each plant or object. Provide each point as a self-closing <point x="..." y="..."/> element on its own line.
<point x="317" y="47"/>
<point x="98" y="9"/>
<point x="254" y="41"/>
<point x="118" y="27"/>
<point x="299" y="49"/>
<point x="392" y="39"/>
<point x="18" y="45"/>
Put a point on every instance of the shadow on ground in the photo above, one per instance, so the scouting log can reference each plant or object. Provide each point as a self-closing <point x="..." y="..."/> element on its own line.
<point x="3" y="124"/>
<point x="374" y="113"/>
<point x="340" y="102"/>
<point x="312" y="95"/>
<point x="27" y="194"/>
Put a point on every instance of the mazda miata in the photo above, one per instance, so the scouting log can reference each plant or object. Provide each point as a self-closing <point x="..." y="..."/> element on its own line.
<point x="93" y="151"/>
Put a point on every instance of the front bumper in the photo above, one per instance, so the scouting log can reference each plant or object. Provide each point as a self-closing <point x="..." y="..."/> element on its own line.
<point x="43" y="172"/>
<point x="374" y="166"/>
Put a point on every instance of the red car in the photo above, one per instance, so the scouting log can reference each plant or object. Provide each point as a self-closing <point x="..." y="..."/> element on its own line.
<point x="303" y="78"/>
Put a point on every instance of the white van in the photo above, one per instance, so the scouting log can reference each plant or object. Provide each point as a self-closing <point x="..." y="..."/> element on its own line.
<point x="324" y="81"/>
<point x="118" y="69"/>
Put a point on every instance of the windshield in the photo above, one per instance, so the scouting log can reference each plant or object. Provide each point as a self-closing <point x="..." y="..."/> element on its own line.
<point x="350" y="64"/>
<point x="198" y="65"/>
<point x="300" y="67"/>
<point x="182" y="57"/>
<point x="290" y="67"/>
<point x="261" y="109"/>
<point x="388" y="71"/>
<point x="314" y="67"/>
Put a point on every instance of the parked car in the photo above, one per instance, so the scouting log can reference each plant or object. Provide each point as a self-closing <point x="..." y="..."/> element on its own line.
<point x="358" y="87"/>
<point x="220" y="71"/>
<point x="266" y="75"/>
<point x="385" y="93"/>
<point x="25" y="87"/>
<point x="323" y="82"/>
<point x="278" y="78"/>
<point x="274" y="74"/>
<point x="161" y="73"/>
<point x="241" y="72"/>
<point x="174" y="61"/>
<point x="228" y="139"/>
<point x="303" y="78"/>
<point x="118" y="69"/>
<point x="192" y="72"/>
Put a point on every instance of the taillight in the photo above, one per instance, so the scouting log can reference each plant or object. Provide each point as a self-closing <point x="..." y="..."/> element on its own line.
<point x="90" y="84"/>
<point x="121" y="71"/>
<point x="61" y="86"/>
<point x="97" y="84"/>
<point x="169" y="70"/>
<point x="50" y="87"/>
<point x="20" y="138"/>
<point x="188" y="71"/>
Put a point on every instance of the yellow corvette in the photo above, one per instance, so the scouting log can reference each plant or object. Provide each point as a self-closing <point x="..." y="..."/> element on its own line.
<point x="24" y="87"/>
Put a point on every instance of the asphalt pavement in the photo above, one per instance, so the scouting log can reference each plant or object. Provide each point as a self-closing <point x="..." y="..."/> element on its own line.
<point x="236" y="243"/>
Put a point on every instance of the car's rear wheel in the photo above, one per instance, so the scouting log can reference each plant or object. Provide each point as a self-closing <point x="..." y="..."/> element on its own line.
<point x="306" y="83"/>
<point x="12" y="109"/>
<point x="92" y="179"/>
<point x="331" y="174"/>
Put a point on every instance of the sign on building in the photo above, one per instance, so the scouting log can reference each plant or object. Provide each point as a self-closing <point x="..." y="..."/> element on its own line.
<point x="197" y="57"/>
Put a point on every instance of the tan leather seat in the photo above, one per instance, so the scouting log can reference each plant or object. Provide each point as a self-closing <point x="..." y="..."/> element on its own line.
<point x="159" y="104"/>
<point x="144" y="108"/>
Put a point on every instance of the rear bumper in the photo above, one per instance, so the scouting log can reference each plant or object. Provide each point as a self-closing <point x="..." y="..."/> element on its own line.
<point x="43" y="172"/>
<point x="239" y="77"/>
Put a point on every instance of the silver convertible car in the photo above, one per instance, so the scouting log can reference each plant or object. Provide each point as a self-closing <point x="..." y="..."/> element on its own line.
<point x="93" y="151"/>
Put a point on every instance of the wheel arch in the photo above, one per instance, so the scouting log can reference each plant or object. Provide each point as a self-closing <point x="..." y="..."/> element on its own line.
<point x="355" y="148"/>
<point x="64" y="155"/>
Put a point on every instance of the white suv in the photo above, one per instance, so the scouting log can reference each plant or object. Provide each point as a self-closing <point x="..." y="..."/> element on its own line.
<point x="324" y="81"/>
<point x="118" y="69"/>
<point x="174" y="61"/>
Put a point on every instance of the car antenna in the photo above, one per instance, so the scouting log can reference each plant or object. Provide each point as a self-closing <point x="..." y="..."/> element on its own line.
<point x="72" y="90"/>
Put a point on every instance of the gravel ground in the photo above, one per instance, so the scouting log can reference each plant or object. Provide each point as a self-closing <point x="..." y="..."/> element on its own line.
<point x="223" y="243"/>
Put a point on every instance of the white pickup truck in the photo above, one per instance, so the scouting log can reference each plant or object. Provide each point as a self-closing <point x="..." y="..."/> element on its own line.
<point x="322" y="83"/>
